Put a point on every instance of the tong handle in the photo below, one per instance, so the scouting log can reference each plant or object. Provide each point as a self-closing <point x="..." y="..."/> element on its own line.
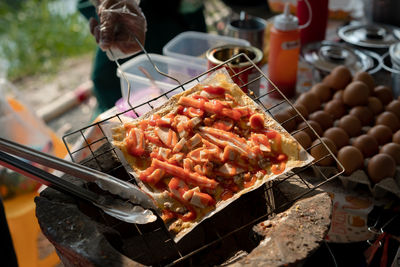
<point x="46" y="178"/>
<point x="104" y="181"/>
<point x="50" y="161"/>
<point x="122" y="210"/>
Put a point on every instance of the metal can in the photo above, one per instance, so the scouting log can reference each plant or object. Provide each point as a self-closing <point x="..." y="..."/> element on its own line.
<point x="218" y="55"/>
<point x="250" y="29"/>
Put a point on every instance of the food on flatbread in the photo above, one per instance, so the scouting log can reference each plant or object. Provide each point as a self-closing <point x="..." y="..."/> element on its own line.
<point x="203" y="149"/>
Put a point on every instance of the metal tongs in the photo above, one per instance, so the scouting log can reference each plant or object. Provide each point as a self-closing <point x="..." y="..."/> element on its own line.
<point x="135" y="208"/>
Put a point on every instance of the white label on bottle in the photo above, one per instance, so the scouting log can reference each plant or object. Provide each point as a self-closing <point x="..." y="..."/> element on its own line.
<point x="290" y="45"/>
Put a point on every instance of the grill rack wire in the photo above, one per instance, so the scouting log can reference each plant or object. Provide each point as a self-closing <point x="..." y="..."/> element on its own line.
<point x="89" y="145"/>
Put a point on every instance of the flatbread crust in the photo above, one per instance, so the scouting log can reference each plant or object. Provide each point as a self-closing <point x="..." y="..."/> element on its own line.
<point x="297" y="156"/>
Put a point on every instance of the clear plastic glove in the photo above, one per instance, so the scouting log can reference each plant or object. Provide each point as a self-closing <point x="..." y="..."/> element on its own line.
<point x="121" y="23"/>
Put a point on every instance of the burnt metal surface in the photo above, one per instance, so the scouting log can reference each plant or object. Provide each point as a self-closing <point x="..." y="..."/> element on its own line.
<point x="78" y="238"/>
<point x="85" y="236"/>
<point x="292" y="235"/>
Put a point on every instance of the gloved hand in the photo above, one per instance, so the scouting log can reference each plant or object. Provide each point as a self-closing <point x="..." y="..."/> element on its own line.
<point x="120" y="22"/>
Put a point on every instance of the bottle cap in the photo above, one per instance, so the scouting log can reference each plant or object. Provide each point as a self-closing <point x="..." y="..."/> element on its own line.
<point x="286" y="21"/>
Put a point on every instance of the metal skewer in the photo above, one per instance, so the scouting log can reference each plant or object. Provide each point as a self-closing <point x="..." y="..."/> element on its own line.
<point x="150" y="60"/>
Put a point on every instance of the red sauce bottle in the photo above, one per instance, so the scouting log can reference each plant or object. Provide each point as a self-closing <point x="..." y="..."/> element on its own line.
<point x="283" y="55"/>
<point x="313" y="18"/>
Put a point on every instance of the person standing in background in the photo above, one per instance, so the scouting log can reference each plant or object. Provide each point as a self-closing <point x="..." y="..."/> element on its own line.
<point x="159" y="20"/>
<point x="7" y="252"/>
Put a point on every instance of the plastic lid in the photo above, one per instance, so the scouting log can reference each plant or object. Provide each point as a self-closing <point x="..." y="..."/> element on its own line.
<point x="192" y="46"/>
<point x="286" y="21"/>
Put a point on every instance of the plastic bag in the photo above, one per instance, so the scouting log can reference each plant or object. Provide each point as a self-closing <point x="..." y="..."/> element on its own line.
<point x="122" y="25"/>
<point x="19" y="124"/>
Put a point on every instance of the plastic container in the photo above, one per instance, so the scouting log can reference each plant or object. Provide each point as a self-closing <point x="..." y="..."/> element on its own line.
<point x="141" y="90"/>
<point x="284" y="54"/>
<point x="26" y="233"/>
<point x="140" y="68"/>
<point x="192" y="46"/>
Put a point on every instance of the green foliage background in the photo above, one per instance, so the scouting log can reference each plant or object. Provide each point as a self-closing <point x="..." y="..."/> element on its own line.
<point x="35" y="39"/>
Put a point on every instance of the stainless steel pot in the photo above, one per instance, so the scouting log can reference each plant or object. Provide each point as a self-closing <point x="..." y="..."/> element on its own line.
<point x="325" y="56"/>
<point x="382" y="11"/>
<point x="372" y="36"/>
<point x="394" y="54"/>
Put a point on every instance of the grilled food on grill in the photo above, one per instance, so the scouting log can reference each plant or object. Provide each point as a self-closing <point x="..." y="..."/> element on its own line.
<point x="204" y="148"/>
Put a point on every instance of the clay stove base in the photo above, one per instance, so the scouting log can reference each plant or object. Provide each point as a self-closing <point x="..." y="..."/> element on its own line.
<point x="82" y="240"/>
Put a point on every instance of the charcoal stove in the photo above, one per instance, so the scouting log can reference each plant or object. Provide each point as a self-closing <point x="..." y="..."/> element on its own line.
<point x="280" y="223"/>
<point x="85" y="236"/>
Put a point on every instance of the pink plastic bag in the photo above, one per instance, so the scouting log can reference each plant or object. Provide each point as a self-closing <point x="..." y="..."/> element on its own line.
<point x="19" y="124"/>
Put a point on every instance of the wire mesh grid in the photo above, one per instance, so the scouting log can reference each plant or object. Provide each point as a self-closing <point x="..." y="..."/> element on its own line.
<point x="87" y="148"/>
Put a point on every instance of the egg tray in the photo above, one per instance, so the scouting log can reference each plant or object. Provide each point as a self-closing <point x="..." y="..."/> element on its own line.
<point x="86" y="142"/>
<point x="386" y="188"/>
<point x="389" y="186"/>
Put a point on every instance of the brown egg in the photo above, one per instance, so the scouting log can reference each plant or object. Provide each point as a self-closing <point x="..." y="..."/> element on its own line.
<point x="381" y="166"/>
<point x="364" y="114"/>
<point x="339" y="77"/>
<point x="366" y="78"/>
<point x="322" y="91"/>
<point x="319" y="151"/>
<point x="317" y="128"/>
<point x="356" y="94"/>
<point x="338" y="136"/>
<point x="375" y="105"/>
<point x="393" y="150"/>
<point x="323" y="118"/>
<point x="328" y="80"/>
<point x="351" y="124"/>
<point x="388" y="118"/>
<point x="367" y="144"/>
<point x="396" y="137"/>
<point x="384" y="94"/>
<point x="283" y="118"/>
<point x="351" y="158"/>
<point x="303" y="138"/>
<point x="335" y="108"/>
<point x="394" y="107"/>
<point x="301" y="109"/>
<point x="381" y="133"/>
<point x="310" y="101"/>
<point x="338" y="95"/>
